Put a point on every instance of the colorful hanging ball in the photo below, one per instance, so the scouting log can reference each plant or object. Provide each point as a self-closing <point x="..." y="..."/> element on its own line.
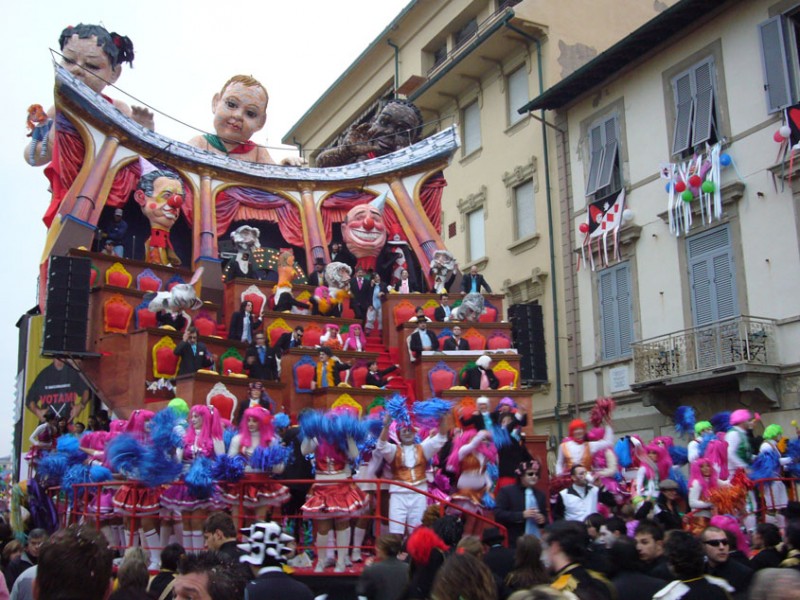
<point x="627" y="215"/>
<point x="687" y="196"/>
<point x="680" y="187"/>
<point x="708" y="187"/>
<point x="695" y="181"/>
<point x="725" y="160"/>
<point x="785" y="132"/>
<point x="669" y="187"/>
<point x="778" y="137"/>
<point x="583" y="227"/>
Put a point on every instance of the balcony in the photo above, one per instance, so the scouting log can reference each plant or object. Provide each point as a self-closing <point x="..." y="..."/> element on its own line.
<point x="741" y="350"/>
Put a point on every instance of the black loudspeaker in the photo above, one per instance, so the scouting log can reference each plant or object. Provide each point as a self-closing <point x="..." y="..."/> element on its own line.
<point x="66" y="317"/>
<point x="527" y="329"/>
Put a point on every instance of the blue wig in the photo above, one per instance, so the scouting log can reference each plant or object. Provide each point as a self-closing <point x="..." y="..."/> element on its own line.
<point x="685" y="420"/>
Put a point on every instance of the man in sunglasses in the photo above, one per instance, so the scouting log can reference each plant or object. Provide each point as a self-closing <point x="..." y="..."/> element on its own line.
<point x="717" y="549"/>
<point x="522" y="508"/>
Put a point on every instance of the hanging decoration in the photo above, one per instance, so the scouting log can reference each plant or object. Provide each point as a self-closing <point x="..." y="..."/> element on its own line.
<point x="788" y="136"/>
<point x="604" y="218"/>
<point x="695" y="185"/>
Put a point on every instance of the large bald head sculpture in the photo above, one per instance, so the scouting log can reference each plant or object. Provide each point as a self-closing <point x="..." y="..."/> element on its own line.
<point x="364" y="231"/>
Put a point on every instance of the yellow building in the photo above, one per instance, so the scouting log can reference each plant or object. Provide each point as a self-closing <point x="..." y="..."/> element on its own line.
<point x="474" y="64"/>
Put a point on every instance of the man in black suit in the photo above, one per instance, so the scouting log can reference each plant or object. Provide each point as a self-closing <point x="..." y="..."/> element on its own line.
<point x="473" y="282"/>
<point x="193" y="354"/>
<point x="422" y="339"/>
<point x="455" y="341"/>
<point x="361" y="293"/>
<point x="442" y="312"/>
<point x="260" y="361"/>
<point x="521" y="507"/>
<point x="388" y="576"/>
<point x="378" y="378"/>
<point x="317" y="277"/>
<point x="339" y="253"/>
<point x="268" y="550"/>
<point x="288" y="340"/>
<point x="497" y="557"/>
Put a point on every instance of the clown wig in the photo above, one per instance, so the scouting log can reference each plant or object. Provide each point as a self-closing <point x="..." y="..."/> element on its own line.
<point x="662" y="464"/>
<point x="265" y="428"/>
<point x="210" y="429"/>
<point x="707" y="484"/>
<point x="485" y="448"/>
<point x="136" y="424"/>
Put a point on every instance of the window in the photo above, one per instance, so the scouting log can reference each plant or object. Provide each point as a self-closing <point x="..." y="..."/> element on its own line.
<point x="604" y="172"/>
<point x="524" y="211"/>
<point x="471" y="128"/>
<point x="712" y="276"/>
<point x="518" y="96"/>
<point x="779" y="37"/>
<point x="695" y="107"/>
<point x="467" y="31"/>
<point x="439" y="55"/>
<point x="616" y="311"/>
<point x="477" y="241"/>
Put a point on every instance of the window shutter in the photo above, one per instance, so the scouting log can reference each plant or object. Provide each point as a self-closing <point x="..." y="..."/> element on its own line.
<point x="609" y="154"/>
<point x="595" y="158"/>
<point x="682" y="86"/>
<point x="624" y="310"/>
<point x="609" y="329"/>
<point x="724" y="288"/>
<point x="702" y="303"/>
<point x="472" y="128"/>
<point x="524" y="207"/>
<point x="477" y="246"/>
<point x="704" y="102"/>
<point x="518" y="95"/>
<point x="713" y="276"/>
<point x="776" y="64"/>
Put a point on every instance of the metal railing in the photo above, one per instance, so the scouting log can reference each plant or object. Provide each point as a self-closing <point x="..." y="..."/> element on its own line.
<point x="738" y="340"/>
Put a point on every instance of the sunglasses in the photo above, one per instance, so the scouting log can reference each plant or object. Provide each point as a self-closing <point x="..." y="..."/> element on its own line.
<point x="532" y="474"/>
<point x="716" y="543"/>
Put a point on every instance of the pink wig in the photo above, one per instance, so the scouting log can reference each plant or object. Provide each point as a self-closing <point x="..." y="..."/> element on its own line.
<point x="663" y="462"/>
<point x="664" y="440"/>
<point x="137" y="422"/>
<point x="717" y="453"/>
<point x="117" y="426"/>
<point x="210" y="430"/>
<point x="728" y="523"/>
<point x="356" y="333"/>
<point x="486" y="448"/>
<point x="706" y="485"/>
<point x="740" y="416"/>
<point x="265" y="429"/>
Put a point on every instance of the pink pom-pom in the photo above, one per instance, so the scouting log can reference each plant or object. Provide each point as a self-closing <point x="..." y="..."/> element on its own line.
<point x="601" y="411"/>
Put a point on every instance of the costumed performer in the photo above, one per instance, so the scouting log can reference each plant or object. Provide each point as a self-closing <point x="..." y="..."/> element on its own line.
<point x="575" y="449"/>
<point x="282" y="295"/>
<point x="481" y="376"/>
<point x="652" y="471"/>
<point x="328" y="370"/>
<point x="356" y="341"/>
<point x="136" y="501"/>
<point x="240" y="110"/>
<point x="329" y="300"/>
<point x="256" y="396"/>
<point x="203" y="442"/>
<point x="703" y="480"/>
<point x="472" y="453"/>
<point x="333" y="499"/>
<point x="94" y="56"/>
<point x="740" y="451"/>
<point x="331" y="338"/>
<point x="100" y="511"/>
<point x="768" y="464"/>
<point x="43" y="438"/>
<point x="409" y="460"/>
<point x="701" y="429"/>
<point x="255" y="431"/>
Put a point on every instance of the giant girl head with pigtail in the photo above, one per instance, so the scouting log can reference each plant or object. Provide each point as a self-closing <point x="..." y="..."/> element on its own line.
<point x="118" y="48"/>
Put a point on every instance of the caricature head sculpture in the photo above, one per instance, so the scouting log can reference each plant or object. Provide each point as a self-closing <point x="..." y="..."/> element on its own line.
<point x="337" y="274"/>
<point x="160" y="194"/>
<point x="240" y="109"/>
<point x="398" y="125"/>
<point x="470" y="309"/>
<point x="245" y="238"/>
<point x="442" y="266"/>
<point x="364" y="230"/>
<point x="93" y="55"/>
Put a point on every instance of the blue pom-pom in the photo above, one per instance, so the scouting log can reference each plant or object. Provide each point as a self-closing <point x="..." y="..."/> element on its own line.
<point x="721" y="421"/>
<point x="488" y="501"/>
<point x="74" y="475"/>
<point x="677" y="476"/>
<point x="679" y="455"/>
<point x="281" y="421"/>
<point x="623" y="452"/>
<point x="685" y="420"/>
<point x="51" y="468"/>
<point x="765" y="465"/>
<point x="228" y="435"/>
<point x="164" y="432"/>
<point x="99" y="474"/>
<point x="199" y="481"/>
<point x="793" y="451"/>
<point x="125" y="454"/>
<point x="429" y="412"/>
<point x="342" y="426"/>
<point x="227" y="468"/>
<point x="265" y="459"/>
<point x="312" y="424"/>
<point x="158" y="467"/>
<point x="397" y="407"/>
<point x="69" y="446"/>
<point x="500" y="436"/>
<point x="493" y="472"/>
<point x="704" y="442"/>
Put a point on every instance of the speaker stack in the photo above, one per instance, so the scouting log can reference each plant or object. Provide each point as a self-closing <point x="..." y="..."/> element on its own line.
<point x="66" y="318"/>
<point x="527" y="329"/>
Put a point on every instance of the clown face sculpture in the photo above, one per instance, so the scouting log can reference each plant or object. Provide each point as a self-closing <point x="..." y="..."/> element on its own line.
<point x="364" y="230"/>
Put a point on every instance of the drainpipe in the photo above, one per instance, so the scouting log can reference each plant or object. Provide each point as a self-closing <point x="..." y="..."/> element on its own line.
<point x="396" y="64"/>
<point x="553" y="284"/>
<point x="299" y="145"/>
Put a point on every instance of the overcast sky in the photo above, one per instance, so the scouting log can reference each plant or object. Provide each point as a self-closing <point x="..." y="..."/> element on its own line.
<point x="185" y="50"/>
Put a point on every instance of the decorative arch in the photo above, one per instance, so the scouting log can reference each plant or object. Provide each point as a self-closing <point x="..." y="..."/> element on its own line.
<point x="237" y="203"/>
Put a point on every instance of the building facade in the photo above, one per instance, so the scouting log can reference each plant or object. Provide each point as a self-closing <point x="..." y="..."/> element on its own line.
<point x="472" y="65"/>
<point x="702" y="313"/>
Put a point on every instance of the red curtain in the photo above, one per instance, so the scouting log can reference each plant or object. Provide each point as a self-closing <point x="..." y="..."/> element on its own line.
<point x="431" y="198"/>
<point x="238" y="203"/>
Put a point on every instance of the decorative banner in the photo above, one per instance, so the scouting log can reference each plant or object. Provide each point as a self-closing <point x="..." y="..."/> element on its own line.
<point x="605" y="217"/>
<point x="695" y="184"/>
<point x="50" y="385"/>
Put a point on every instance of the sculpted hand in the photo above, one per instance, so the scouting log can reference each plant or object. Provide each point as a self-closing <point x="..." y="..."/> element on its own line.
<point x="143" y="117"/>
<point x="294" y="161"/>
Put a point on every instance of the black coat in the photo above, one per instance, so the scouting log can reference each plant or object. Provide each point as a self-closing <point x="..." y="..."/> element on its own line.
<point x="466" y="283"/>
<point x="316" y="279"/>
<point x="191" y="362"/>
<point x="510" y="504"/>
<point x="361" y="298"/>
<point x="267" y="370"/>
<point x="632" y="584"/>
<point x="237" y="325"/>
<point x="377" y="379"/>
<point x="177" y="322"/>
<point x="345" y="256"/>
<point x="768" y="558"/>
<point x="450" y="343"/>
<point x="384" y="580"/>
<point x="472" y="378"/>
<point x="735" y="573"/>
<point x="277" y="585"/>
<point x="415" y="343"/>
<point x="284" y="343"/>
<point x="500" y="561"/>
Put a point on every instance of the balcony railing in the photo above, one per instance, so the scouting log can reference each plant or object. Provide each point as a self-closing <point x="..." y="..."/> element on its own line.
<point x="735" y="341"/>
